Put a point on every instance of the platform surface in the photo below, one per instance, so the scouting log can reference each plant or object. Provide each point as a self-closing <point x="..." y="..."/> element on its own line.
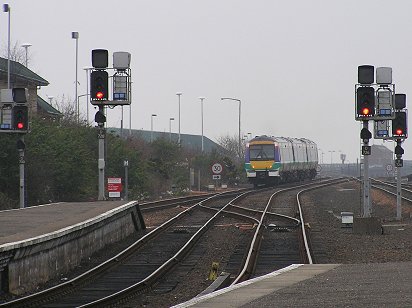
<point x="327" y="285"/>
<point x="23" y="224"/>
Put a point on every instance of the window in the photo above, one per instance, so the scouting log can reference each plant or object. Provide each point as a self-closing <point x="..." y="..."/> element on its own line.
<point x="262" y="152"/>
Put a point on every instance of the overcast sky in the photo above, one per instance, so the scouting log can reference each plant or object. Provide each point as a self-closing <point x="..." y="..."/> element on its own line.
<point x="293" y="64"/>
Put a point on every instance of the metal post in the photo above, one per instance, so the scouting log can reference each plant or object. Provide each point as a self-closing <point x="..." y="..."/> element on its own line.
<point x="198" y="180"/>
<point x="398" y="186"/>
<point x="170" y="128"/>
<point x="398" y="194"/>
<point x="126" y="180"/>
<point x="121" y="125"/>
<point x="151" y="127"/>
<point x="87" y="93"/>
<point x="130" y="110"/>
<point x="101" y="161"/>
<point x="366" y="182"/>
<point x="6" y="8"/>
<point x="240" y="145"/>
<point x="26" y="47"/>
<point x="240" y="109"/>
<point x="21" y="147"/>
<point x="179" y="94"/>
<point x="75" y="35"/>
<point x="201" y="112"/>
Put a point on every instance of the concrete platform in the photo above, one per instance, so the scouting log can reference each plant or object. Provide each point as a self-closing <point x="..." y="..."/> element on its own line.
<point x="327" y="285"/>
<point x="37" y="221"/>
<point x="40" y="243"/>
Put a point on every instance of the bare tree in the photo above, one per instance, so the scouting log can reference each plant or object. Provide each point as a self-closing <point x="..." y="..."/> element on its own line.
<point x="17" y="53"/>
<point x="231" y="145"/>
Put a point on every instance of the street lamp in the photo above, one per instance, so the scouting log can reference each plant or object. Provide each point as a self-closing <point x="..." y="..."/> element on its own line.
<point x="87" y="69"/>
<point x="170" y="128"/>
<point x="6" y="9"/>
<point x="50" y="99"/>
<point x="26" y="47"/>
<point x="237" y="100"/>
<point x="179" y="94"/>
<point x="78" y="104"/>
<point x="331" y="156"/>
<point x="151" y="127"/>
<point x="75" y="35"/>
<point x="201" y="112"/>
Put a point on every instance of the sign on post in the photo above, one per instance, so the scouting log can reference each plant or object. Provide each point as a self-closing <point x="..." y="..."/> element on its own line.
<point x="217" y="168"/>
<point x="114" y="187"/>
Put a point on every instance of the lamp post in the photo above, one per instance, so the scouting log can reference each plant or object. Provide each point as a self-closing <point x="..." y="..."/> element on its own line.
<point x="51" y="100"/>
<point x="331" y="157"/>
<point x="170" y="128"/>
<point x="237" y="100"/>
<point x="75" y="35"/>
<point x="26" y="47"/>
<point x="151" y="127"/>
<point x="78" y="104"/>
<point x="178" y="95"/>
<point x="87" y="70"/>
<point x="201" y="113"/>
<point x="6" y="9"/>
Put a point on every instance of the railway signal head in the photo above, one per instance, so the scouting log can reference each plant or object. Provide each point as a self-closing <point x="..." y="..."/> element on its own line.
<point x="365" y="103"/>
<point x="366" y="74"/>
<point x="399" y="125"/>
<point x="100" y="58"/>
<point x="20" y="118"/>
<point x="99" y="86"/>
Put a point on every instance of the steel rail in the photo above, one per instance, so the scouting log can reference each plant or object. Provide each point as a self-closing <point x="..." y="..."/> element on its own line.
<point x="62" y="288"/>
<point x="166" y="266"/>
<point x="254" y="247"/>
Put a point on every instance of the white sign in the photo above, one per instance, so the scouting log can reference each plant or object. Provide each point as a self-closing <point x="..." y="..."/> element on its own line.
<point x="217" y="168"/>
<point x="216" y="176"/>
<point x="114" y="180"/>
<point x="389" y="167"/>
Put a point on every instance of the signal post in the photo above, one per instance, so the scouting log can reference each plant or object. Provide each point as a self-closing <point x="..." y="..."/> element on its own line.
<point x="379" y="103"/>
<point x="14" y="118"/>
<point x="100" y="94"/>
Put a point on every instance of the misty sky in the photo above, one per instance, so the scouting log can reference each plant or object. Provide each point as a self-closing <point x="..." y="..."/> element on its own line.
<point x="293" y="64"/>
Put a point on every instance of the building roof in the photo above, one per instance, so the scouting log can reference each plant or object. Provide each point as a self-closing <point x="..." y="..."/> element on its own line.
<point x="19" y="72"/>
<point x="187" y="140"/>
<point x="45" y="107"/>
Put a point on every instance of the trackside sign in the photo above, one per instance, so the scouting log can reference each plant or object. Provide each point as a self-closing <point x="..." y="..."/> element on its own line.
<point x="114" y="187"/>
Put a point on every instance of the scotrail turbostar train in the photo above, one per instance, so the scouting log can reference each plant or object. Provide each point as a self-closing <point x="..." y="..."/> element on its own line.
<point x="273" y="160"/>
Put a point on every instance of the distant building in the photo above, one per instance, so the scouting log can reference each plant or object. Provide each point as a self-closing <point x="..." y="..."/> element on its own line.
<point x="22" y="77"/>
<point x="381" y="161"/>
<point x="187" y="140"/>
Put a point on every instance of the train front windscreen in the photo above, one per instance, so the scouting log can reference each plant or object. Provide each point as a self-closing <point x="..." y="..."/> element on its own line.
<point x="262" y="152"/>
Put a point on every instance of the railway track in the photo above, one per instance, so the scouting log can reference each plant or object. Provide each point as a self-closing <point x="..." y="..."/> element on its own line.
<point x="136" y="268"/>
<point x="280" y="238"/>
<point x="390" y="188"/>
<point x="142" y="266"/>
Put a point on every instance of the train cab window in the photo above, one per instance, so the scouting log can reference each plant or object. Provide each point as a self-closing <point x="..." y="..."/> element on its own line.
<point x="262" y="152"/>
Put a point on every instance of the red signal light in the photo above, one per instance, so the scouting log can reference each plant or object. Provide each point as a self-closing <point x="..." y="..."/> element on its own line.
<point x="365" y="111"/>
<point x="20" y="125"/>
<point x="399" y="131"/>
<point x="99" y="95"/>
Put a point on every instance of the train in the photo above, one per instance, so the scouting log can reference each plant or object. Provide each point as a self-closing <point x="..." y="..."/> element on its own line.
<point x="273" y="160"/>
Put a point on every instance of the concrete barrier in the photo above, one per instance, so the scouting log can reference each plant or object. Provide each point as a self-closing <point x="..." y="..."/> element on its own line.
<point x="26" y="264"/>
